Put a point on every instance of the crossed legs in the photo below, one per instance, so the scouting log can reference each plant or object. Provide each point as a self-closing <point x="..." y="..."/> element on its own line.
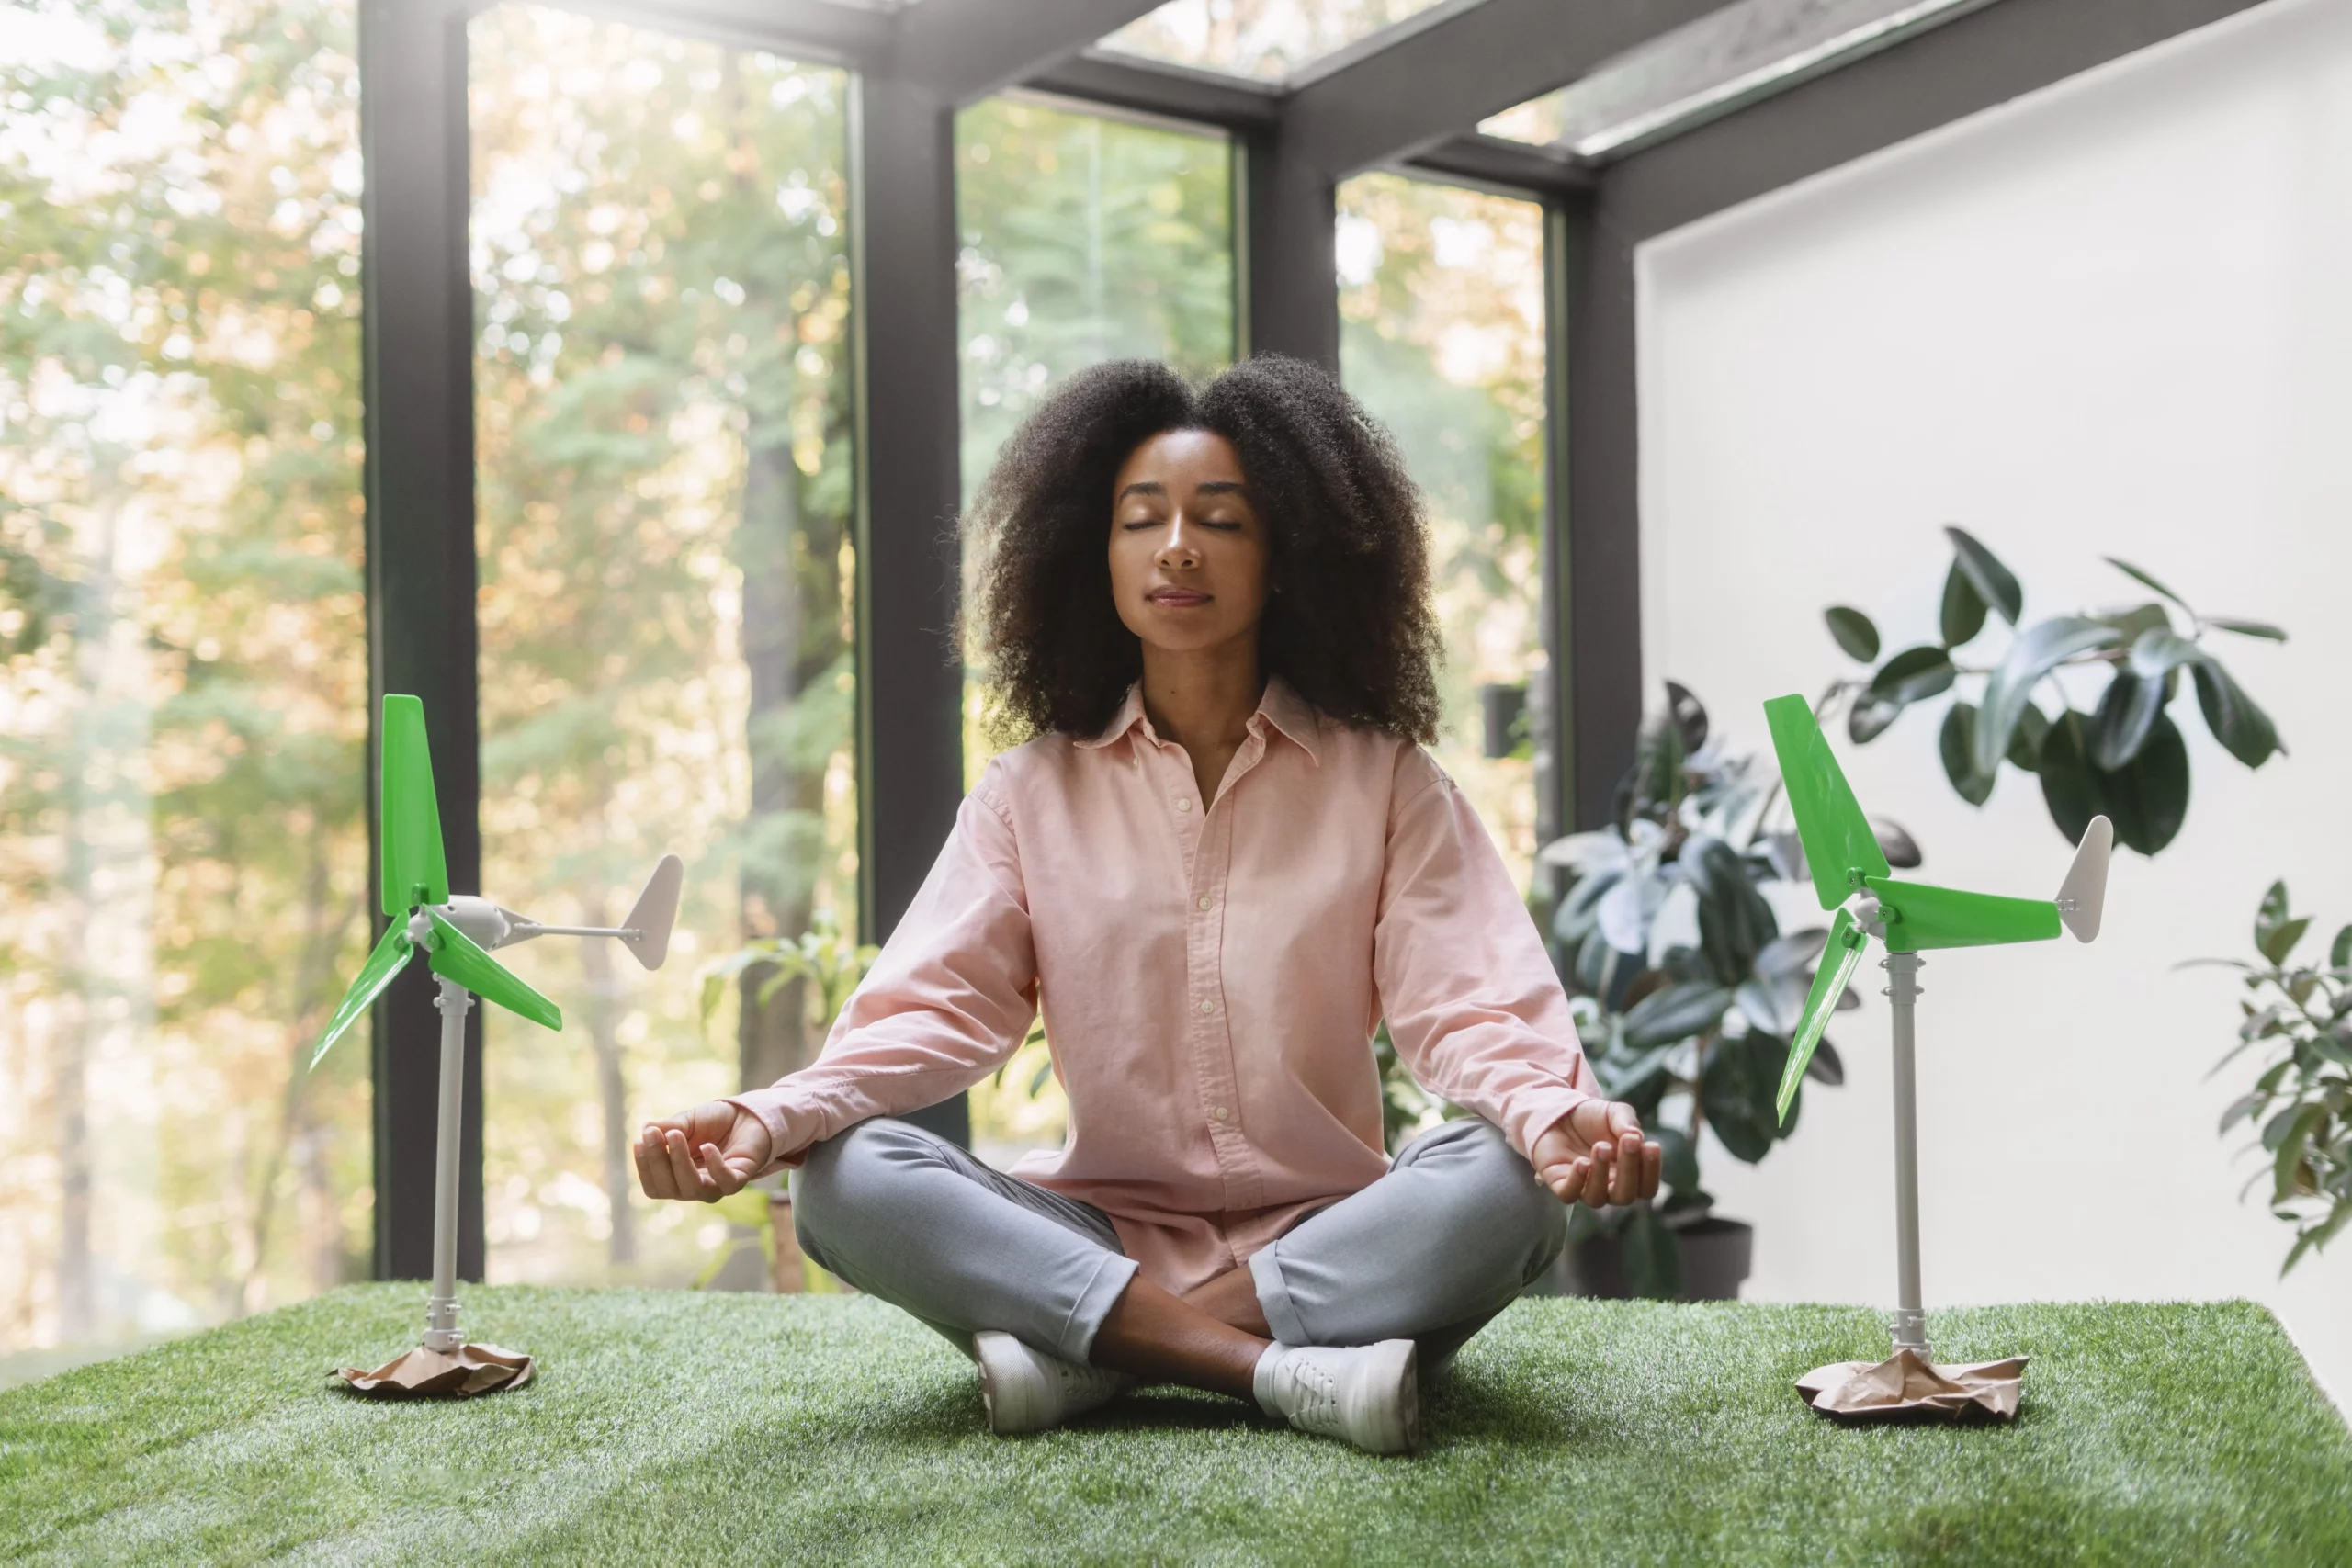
<point x="1430" y="1252"/>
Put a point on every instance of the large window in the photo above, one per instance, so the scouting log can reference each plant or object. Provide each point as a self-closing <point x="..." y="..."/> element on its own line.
<point x="1441" y="336"/>
<point x="182" y="672"/>
<point x="1081" y="237"/>
<point x="666" y="587"/>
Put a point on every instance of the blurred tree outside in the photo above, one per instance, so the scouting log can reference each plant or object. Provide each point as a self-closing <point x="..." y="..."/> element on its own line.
<point x="183" y="675"/>
<point x="1082" y="237"/>
<point x="1441" y="337"/>
<point x="663" y="430"/>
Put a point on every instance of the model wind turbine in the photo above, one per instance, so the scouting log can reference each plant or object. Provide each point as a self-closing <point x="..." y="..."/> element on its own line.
<point x="455" y="934"/>
<point x="1850" y="874"/>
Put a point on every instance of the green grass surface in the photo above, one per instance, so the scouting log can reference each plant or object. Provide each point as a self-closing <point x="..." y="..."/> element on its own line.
<point x="672" y="1428"/>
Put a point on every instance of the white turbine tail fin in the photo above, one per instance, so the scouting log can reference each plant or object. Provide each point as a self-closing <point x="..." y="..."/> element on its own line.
<point x="2083" y="893"/>
<point x="656" y="911"/>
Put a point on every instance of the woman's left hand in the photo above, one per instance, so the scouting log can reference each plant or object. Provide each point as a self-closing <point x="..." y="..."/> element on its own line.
<point x="1596" y="1155"/>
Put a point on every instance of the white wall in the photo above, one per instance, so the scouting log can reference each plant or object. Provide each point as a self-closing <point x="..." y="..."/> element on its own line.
<point x="2115" y="317"/>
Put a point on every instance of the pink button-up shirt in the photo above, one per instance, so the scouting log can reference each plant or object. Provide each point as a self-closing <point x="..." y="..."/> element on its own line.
<point x="1210" y="976"/>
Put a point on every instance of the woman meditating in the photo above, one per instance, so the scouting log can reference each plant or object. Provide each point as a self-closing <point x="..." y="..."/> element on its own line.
<point x="1219" y="861"/>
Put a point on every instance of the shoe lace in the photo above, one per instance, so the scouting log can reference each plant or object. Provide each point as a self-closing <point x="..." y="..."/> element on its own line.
<point x="1317" y="1390"/>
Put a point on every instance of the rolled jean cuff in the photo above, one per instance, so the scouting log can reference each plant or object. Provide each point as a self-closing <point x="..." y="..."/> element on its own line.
<point x="1274" y="1297"/>
<point x="1094" y="1303"/>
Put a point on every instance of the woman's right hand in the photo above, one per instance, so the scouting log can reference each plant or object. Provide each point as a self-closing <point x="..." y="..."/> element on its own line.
<point x="703" y="1154"/>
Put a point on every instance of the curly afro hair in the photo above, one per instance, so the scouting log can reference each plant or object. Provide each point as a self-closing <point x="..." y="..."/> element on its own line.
<point x="1351" y="631"/>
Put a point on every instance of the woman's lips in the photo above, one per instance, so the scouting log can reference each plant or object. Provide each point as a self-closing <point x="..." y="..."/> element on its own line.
<point x="1176" y="598"/>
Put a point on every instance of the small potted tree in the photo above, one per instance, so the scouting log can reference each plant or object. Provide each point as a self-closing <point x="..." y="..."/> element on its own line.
<point x="1693" y="1036"/>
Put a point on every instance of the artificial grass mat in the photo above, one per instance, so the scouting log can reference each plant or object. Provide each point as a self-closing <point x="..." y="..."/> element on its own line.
<point x="678" y="1428"/>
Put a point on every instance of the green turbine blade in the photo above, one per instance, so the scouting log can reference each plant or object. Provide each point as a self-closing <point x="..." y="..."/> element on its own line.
<point x="1840" y="848"/>
<point x="455" y="955"/>
<point x="1920" y="917"/>
<point x="391" y="957"/>
<point x="414" y="870"/>
<point x="1838" y="957"/>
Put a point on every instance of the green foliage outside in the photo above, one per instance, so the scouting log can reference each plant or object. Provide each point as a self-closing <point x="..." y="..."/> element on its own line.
<point x="673" y="1427"/>
<point x="661" y="389"/>
<point x="2298" y="1021"/>
<point x="2124" y="758"/>
<point x="183" y="682"/>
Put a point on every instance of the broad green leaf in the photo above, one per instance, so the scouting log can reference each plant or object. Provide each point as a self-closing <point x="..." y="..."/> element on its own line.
<point x="1962" y="614"/>
<point x="1675" y="1013"/>
<point x="2039" y="649"/>
<point x="1868" y="718"/>
<point x="2242" y="729"/>
<point x="2319" y="1236"/>
<point x="2144" y="580"/>
<point x="2263" y="629"/>
<point x="2147" y="801"/>
<point x="2339" y="952"/>
<point x="2272" y="913"/>
<point x="1737" y="1087"/>
<point x="2281" y="939"/>
<point x="2155" y="653"/>
<point x="2025" y="745"/>
<point x="2137" y="622"/>
<point x="2286" y="1168"/>
<point x="1993" y="582"/>
<point x="1827" y="1066"/>
<point x="1677" y="1158"/>
<point x="1734" y="922"/>
<point x="2242" y="1107"/>
<point x="2126" y="711"/>
<point x="1853" y="631"/>
<point x="1955" y="743"/>
<point x="1913" y="675"/>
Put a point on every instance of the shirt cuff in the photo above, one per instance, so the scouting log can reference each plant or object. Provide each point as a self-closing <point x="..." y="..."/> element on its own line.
<point x="1535" y="1112"/>
<point x="792" y="1125"/>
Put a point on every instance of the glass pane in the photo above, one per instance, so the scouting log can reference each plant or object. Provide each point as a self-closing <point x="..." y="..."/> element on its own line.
<point x="1083" y="238"/>
<point x="1265" y="39"/>
<point x="183" y="669"/>
<point x="1726" y="57"/>
<point x="663" y="427"/>
<point x="1441" y="336"/>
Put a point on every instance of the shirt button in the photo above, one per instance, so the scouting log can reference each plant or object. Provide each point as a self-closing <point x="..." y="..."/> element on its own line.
<point x="1183" y="802"/>
<point x="1208" y="1007"/>
<point x="1208" y="903"/>
<point x="1219" y="1113"/>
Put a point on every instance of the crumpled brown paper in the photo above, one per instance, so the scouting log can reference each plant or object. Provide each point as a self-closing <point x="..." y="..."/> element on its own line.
<point x="457" y="1374"/>
<point x="1904" y="1386"/>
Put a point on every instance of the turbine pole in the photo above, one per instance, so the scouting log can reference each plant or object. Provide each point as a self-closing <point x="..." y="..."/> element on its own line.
<point x="441" y="1312"/>
<point x="1910" y="1325"/>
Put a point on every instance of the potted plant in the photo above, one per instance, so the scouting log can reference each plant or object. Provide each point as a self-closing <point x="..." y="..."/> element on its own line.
<point x="832" y="963"/>
<point x="1693" y="1036"/>
<point x="2124" y="758"/>
<point x="2297" y="1018"/>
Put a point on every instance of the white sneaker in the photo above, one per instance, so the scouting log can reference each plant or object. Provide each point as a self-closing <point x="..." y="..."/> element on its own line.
<point x="1028" y="1390"/>
<point x="1363" y="1394"/>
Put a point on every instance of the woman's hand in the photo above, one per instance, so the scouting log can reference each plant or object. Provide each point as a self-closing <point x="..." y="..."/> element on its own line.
<point x="1596" y="1155"/>
<point x="702" y="1155"/>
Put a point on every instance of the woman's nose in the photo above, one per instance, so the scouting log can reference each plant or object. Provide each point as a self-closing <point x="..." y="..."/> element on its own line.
<point x="1176" y="547"/>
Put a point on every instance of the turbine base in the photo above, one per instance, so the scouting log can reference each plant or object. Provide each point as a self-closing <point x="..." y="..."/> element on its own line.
<point x="425" y="1373"/>
<point x="1907" y="1387"/>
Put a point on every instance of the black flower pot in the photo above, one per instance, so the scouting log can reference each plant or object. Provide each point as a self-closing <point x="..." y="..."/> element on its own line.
<point x="1717" y="1255"/>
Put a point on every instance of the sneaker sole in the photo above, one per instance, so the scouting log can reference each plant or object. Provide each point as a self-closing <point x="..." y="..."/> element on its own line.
<point x="1001" y="1390"/>
<point x="1408" y="1436"/>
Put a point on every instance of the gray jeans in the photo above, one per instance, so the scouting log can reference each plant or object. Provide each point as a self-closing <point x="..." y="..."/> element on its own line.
<point x="1457" y="1228"/>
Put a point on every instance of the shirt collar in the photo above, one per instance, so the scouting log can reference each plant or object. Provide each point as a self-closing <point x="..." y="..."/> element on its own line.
<point x="1280" y="706"/>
